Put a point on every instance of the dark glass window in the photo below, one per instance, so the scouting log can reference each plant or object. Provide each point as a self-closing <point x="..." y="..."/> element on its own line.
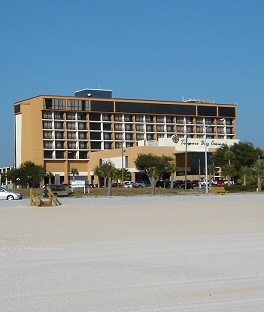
<point x="207" y="111"/>
<point x="95" y="117"/>
<point x="95" y="136"/>
<point x="226" y="112"/>
<point x="162" y="109"/>
<point x="95" y="126"/>
<point x="17" y="108"/>
<point x="96" y="145"/>
<point x="102" y="106"/>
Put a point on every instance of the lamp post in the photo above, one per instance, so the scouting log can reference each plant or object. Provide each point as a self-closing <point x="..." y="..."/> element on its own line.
<point x="205" y="154"/>
<point x="122" y="161"/>
<point x="186" y="143"/>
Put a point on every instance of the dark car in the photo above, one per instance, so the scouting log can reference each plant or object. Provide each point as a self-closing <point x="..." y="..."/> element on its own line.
<point x="163" y="184"/>
<point x="58" y="190"/>
<point x="189" y="186"/>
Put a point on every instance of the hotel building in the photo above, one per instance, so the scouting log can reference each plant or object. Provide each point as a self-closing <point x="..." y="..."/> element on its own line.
<point x="64" y="132"/>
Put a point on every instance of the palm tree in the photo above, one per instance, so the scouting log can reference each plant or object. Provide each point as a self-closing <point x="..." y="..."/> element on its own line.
<point x="244" y="172"/>
<point x="74" y="172"/>
<point x="108" y="171"/>
<point x="228" y="169"/>
<point x="258" y="167"/>
<point x="211" y="169"/>
<point x="49" y="175"/>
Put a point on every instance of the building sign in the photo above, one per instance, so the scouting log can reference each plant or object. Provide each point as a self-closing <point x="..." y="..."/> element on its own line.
<point x="199" y="144"/>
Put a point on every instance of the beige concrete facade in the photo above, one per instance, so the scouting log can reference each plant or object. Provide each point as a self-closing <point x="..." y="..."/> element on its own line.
<point x="65" y="132"/>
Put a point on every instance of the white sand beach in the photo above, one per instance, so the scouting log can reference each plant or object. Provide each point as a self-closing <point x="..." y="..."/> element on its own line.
<point x="160" y="253"/>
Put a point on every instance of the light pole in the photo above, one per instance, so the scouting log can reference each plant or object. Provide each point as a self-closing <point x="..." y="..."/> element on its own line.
<point x="122" y="161"/>
<point x="205" y="154"/>
<point x="186" y="143"/>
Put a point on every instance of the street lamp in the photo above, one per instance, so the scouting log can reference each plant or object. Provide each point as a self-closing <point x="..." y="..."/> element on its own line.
<point x="205" y="154"/>
<point x="186" y="145"/>
<point x="122" y="160"/>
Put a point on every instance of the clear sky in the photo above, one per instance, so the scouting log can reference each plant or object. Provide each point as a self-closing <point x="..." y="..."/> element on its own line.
<point x="162" y="50"/>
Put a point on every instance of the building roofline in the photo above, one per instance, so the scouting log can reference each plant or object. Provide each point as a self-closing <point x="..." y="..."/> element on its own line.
<point x="123" y="99"/>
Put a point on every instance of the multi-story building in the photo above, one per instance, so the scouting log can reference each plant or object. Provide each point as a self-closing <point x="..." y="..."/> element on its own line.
<point x="64" y="132"/>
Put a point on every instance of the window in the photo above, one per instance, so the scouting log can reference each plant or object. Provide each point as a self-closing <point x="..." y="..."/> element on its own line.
<point x="71" y="145"/>
<point x="59" y="135"/>
<point x="48" y="135"/>
<point x="59" y="155"/>
<point x="59" y="144"/>
<point x="71" y="126"/>
<point x="47" y="125"/>
<point x="169" y="119"/>
<point x="128" y="127"/>
<point x="95" y="145"/>
<point x="118" y="117"/>
<point x="140" y="136"/>
<point x="149" y="119"/>
<point x="160" y="128"/>
<point x="74" y="105"/>
<point x="107" y="145"/>
<point x="129" y="136"/>
<point x="149" y="128"/>
<point x="82" y="135"/>
<point x="150" y="137"/>
<point x="83" y="155"/>
<point x="82" y="126"/>
<point x="180" y="129"/>
<point x="180" y="120"/>
<point x="170" y="128"/>
<point x="118" y="127"/>
<point x="83" y="145"/>
<point x="48" y="145"/>
<point x="71" y="135"/>
<point x="107" y="117"/>
<point x="160" y="119"/>
<point x="139" y="118"/>
<point x="95" y="136"/>
<point x="58" y="115"/>
<point x="81" y="116"/>
<point x="128" y="118"/>
<point x="119" y="136"/>
<point x="17" y="109"/>
<point x="70" y="116"/>
<point x="107" y="136"/>
<point x="140" y="128"/>
<point x="46" y="115"/>
<point x="95" y="126"/>
<point x="48" y="154"/>
<point x="55" y="104"/>
<point x="107" y="126"/>
<point x="58" y="125"/>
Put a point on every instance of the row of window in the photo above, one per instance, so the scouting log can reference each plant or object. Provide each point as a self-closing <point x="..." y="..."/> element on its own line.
<point x="133" y="118"/>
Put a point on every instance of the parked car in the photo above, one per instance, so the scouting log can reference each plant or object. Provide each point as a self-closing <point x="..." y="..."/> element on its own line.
<point x="116" y="184"/>
<point x="189" y="186"/>
<point x="6" y="194"/>
<point x="163" y="184"/>
<point x="195" y="182"/>
<point x="128" y="184"/>
<point x="58" y="190"/>
<point x="142" y="184"/>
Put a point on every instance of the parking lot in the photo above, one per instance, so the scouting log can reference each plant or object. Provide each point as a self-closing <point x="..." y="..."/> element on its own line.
<point x="143" y="253"/>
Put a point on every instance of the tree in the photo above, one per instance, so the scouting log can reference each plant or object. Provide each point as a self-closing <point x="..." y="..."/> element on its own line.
<point x="74" y="172"/>
<point x="211" y="169"/>
<point x="49" y="175"/>
<point x="258" y="167"/>
<point x="154" y="166"/>
<point x="28" y="174"/>
<point x="244" y="172"/>
<point x="126" y="173"/>
<point x="243" y="154"/>
<point x="108" y="171"/>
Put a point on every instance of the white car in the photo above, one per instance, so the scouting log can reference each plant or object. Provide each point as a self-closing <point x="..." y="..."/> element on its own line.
<point x="128" y="184"/>
<point x="6" y="194"/>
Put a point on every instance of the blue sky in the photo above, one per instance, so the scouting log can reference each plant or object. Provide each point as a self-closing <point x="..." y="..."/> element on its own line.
<point x="151" y="49"/>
